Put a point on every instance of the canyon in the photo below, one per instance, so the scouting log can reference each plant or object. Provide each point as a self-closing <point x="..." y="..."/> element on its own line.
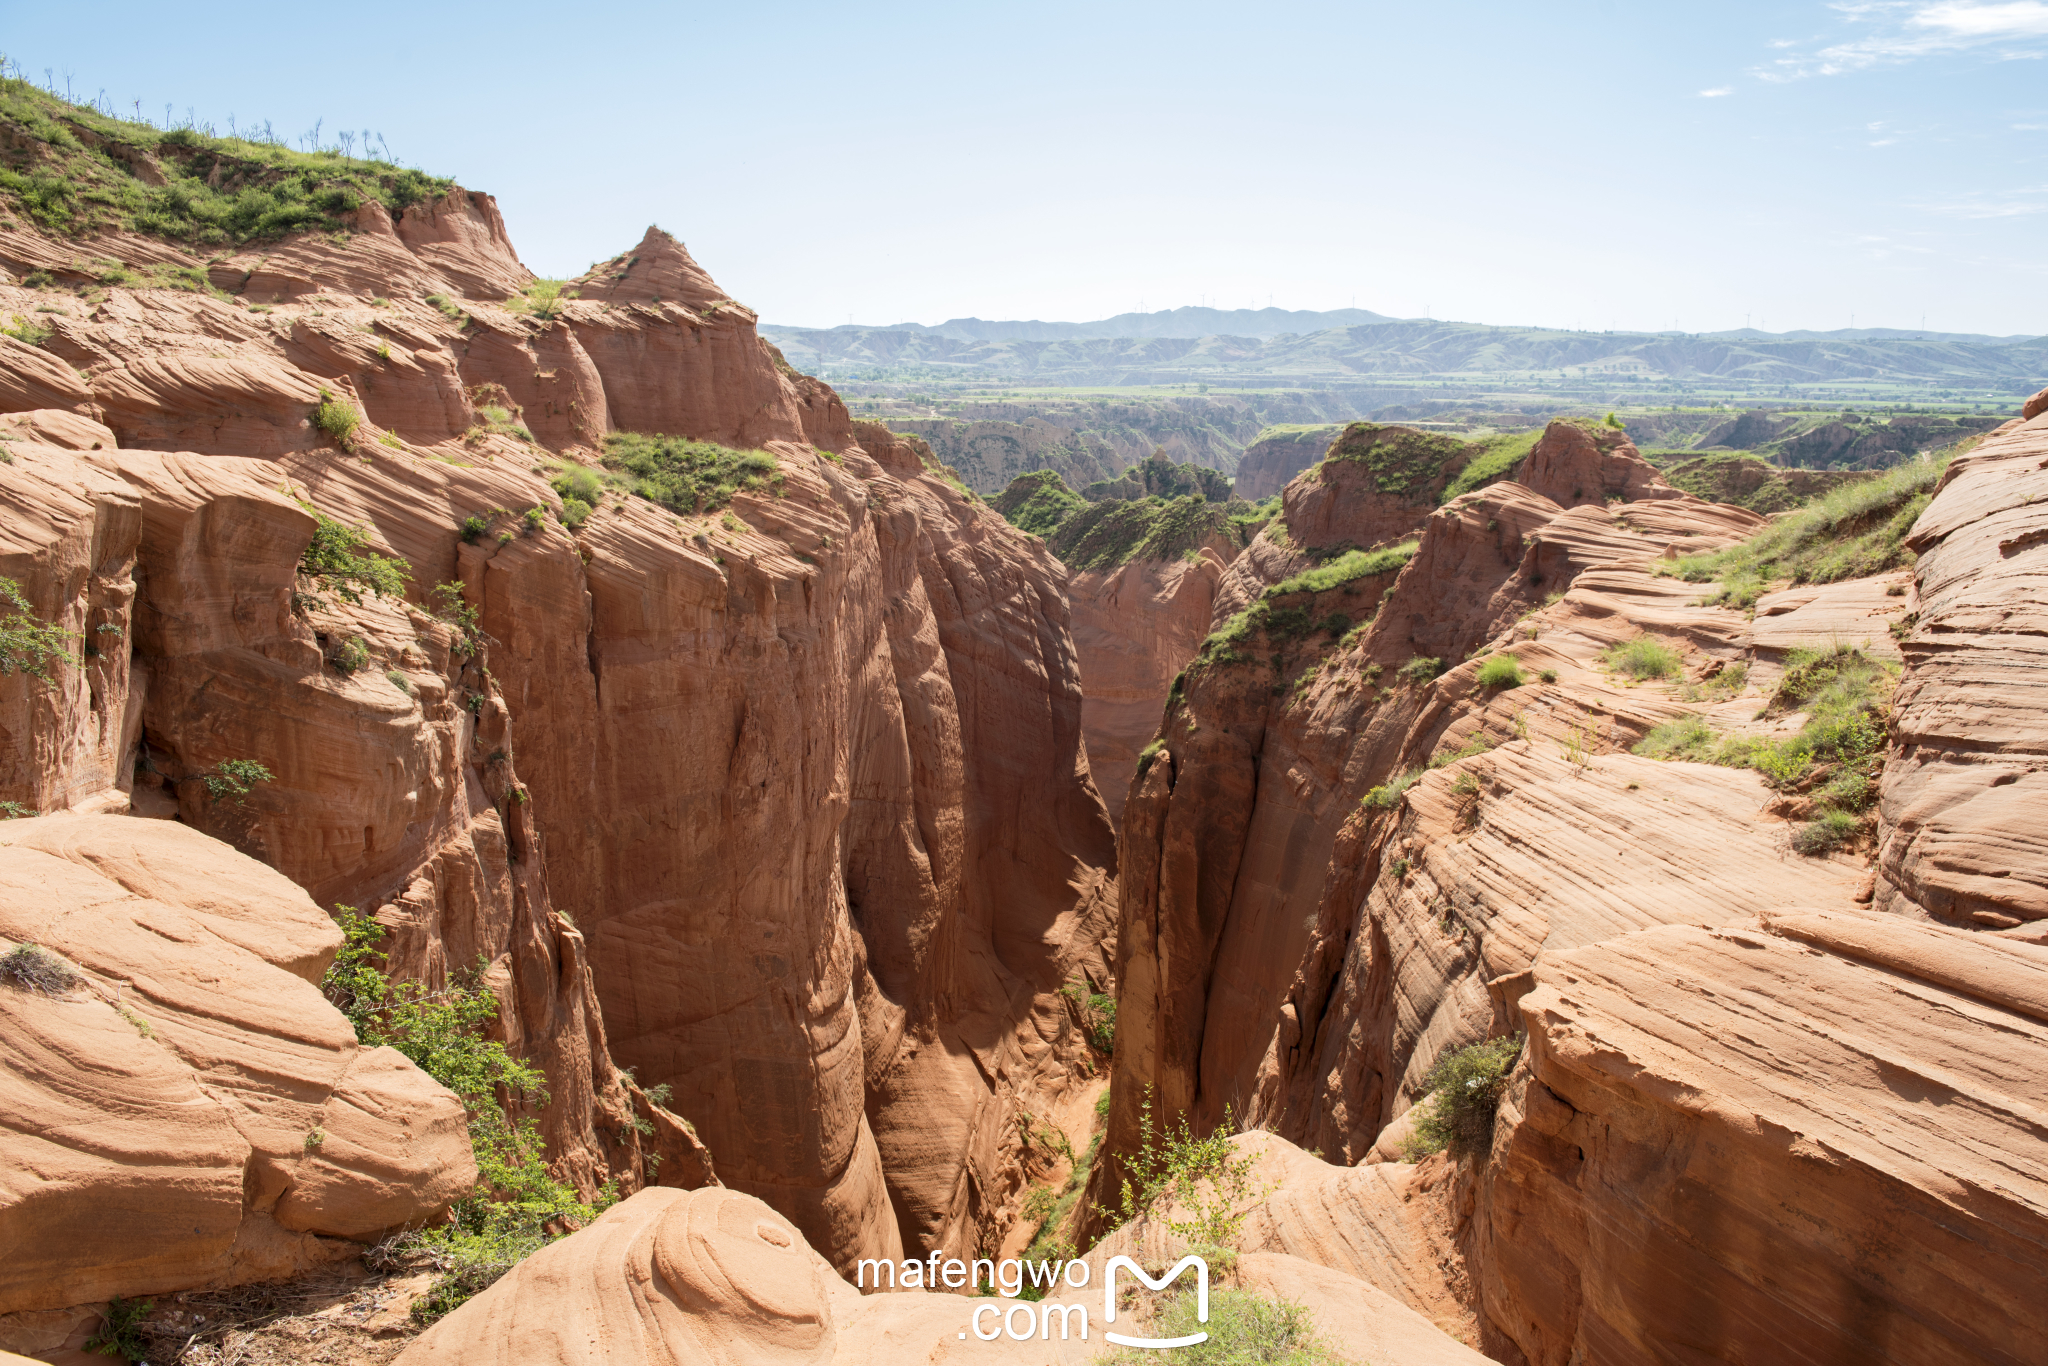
<point x="793" y="809"/>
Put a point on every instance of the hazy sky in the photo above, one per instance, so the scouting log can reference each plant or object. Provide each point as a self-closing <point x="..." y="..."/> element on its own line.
<point x="1632" y="165"/>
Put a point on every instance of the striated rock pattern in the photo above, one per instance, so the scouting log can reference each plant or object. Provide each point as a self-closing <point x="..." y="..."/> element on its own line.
<point x="1819" y="1142"/>
<point x="1966" y="789"/>
<point x="190" y="1110"/>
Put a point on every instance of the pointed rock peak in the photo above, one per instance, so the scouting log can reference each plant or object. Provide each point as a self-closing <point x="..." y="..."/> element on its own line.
<point x="659" y="270"/>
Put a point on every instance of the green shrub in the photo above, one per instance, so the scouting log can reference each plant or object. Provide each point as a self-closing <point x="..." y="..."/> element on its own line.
<point x="1827" y="833"/>
<point x="349" y="656"/>
<point x="338" y="558"/>
<point x="28" y="331"/>
<point x="1148" y="754"/>
<point x="1204" y="1175"/>
<point x="1689" y="737"/>
<point x="1548" y="675"/>
<point x="1848" y="790"/>
<point x="473" y="527"/>
<point x="688" y="476"/>
<point x="27" y="645"/>
<point x="1421" y="669"/>
<point x="542" y="299"/>
<point x="1388" y="794"/>
<point x="1245" y="1329"/>
<point x="336" y="419"/>
<point x="1643" y="658"/>
<point x="1464" y="1093"/>
<point x="1098" y="1015"/>
<point x="120" y="1330"/>
<point x="30" y="967"/>
<point x="1500" y="671"/>
<point x="14" y="811"/>
<point x="231" y="780"/>
<point x="397" y="679"/>
<point x="508" y="1214"/>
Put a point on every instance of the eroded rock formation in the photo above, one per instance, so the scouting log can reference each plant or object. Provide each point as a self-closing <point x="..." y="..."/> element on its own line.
<point x="783" y="803"/>
<point x="187" y="1107"/>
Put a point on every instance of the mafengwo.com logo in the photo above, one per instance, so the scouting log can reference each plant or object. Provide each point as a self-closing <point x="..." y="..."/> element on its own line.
<point x="1026" y="1320"/>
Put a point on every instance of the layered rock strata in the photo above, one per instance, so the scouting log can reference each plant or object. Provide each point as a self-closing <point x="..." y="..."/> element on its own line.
<point x="1966" y="788"/>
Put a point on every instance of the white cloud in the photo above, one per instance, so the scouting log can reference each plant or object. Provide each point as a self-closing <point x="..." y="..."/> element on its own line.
<point x="1903" y="30"/>
<point x="1717" y="92"/>
<point x="2020" y="203"/>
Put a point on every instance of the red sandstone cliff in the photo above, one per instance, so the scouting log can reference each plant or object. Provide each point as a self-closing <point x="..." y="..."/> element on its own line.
<point x="784" y="804"/>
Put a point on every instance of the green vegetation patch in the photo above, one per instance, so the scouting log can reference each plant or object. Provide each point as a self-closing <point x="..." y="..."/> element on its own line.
<point x="1244" y="1329"/>
<point x="28" y="645"/>
<point x="515" y="1202"/>
<point x="1402" y="460"/>
<point x="1464" y="1095"/>
<point x="1038" y="501"/>
<point x="1497" y="458"/>
<point x="1104" y="535"/>
<point x="1847" y="533"/>
<point x="1500" y="671"/>
<point x="1836" y="754"/>
<point x="76" y="170"/>
<point x="688" y="476"/>
<point x="1645" y="657"/>
<point x="338" y="558"/>
<point x="1352" y="564"/>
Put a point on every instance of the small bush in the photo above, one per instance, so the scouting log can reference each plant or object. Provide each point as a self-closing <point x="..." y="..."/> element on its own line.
<point x="1464" y="1093"/>
<point x="1388" y="794"/>
<point x="542" y="299"/>
<point x="28" y="331"/>
<point x="1643" y="658"/>
<point x="1245" y="1329"/>
<point x="1500" y="671"/>
<point x="339" y="558"/>
<point x="27" y="646"/>
<point x="1098" y="1015"/>
<point x="1548" y="675"/>
<point x="231" y="780"/>
<point x="1689" y="737"/>
<point x="120" y="1331"/>
<point x="1829" y="832"/>
<point x="397" y="679"/>
<point x="516" y="1201"/>
<point x="1421" y="669"/>
<point x="473" y="528"/>
<point x="30" y="967"/>
<point x="349" y="656"/>
<point x="336" y="419"/>
<point x="1172" y="1166"/>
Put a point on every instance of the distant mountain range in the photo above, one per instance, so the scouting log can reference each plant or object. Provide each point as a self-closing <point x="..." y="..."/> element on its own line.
<point x="1116" y="352"/>
<point x="1185" y="323"/>
<point x="1192" y="324"/>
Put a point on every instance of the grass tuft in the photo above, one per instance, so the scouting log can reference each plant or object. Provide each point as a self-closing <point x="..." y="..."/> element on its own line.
<point x="1645" y="657"/>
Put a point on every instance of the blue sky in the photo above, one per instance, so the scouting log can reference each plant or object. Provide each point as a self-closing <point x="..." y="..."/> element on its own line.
<point x="1631" y="165"/>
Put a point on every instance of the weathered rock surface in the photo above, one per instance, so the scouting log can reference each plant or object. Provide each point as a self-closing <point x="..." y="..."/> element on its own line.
<point x="1574" y="463"/>
<point x="1965" y="802"/>
<point x="1820" y="1142"/>
<point x="192" y="1110"/>
<point x="1135" y="628"/>
<point x="1271" y="462"/>
<point x="716" y="1276"/>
